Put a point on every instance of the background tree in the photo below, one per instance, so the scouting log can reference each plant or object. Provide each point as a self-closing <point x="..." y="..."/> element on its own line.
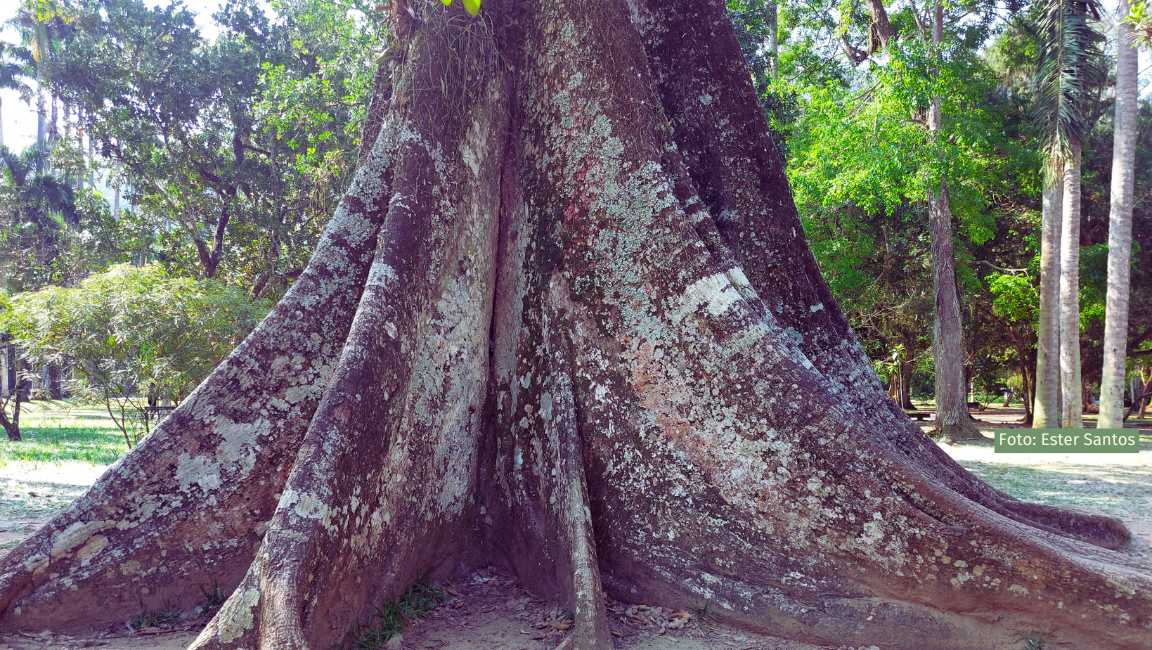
<point x="131" y="334"/>
<point x="223" y="161"/>
<point x="1112" y="384"/>
<point x="14" y="64"/>
<point x="837" y="158"/>
<point x="1069" y="72"/>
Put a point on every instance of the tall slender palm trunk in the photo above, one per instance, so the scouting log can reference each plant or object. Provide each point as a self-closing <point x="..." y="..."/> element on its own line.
<point x="1120" y="227"/>
<point x="1047" y="409"/>
<point x="1071" y="415"/>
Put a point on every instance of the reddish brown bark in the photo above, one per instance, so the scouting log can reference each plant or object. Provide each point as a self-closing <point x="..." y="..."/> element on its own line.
<point x="566" y="319"/>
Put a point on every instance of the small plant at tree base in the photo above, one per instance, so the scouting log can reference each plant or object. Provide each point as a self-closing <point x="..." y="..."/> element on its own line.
<point x="165" y="617"/>
<point x="703" y="615"/>
<point x="388" y="621"/>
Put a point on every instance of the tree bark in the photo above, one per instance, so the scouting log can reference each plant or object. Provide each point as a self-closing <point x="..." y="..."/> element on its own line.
<point x="1029" y="417"/>
<point x="1120" y="225"/>
<point x="15" y="389"/>
<point x="880" y="30"/>
<point x="906" y="387"/>
<point x="11" y="424"/>
<point x="1071" y="407"/>
<point x="1147" y="394"/>
<point x="54" y="389"/>
<point x="1047" y="410"/>
<point x="529" y="336"/>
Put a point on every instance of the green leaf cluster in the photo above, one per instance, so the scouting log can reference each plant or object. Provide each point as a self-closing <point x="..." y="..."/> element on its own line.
<point x="131" y="331"/>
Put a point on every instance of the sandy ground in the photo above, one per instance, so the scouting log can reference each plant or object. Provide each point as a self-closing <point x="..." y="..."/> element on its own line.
<point x="487" y="610"/>
<point x="490" y="611"/>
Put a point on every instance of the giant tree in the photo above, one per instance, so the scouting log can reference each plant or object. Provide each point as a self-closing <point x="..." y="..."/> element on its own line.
<point x="565" y="318"/>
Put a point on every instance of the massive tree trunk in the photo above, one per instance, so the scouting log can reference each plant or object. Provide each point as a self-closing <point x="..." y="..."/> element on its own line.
<point x="1047" y="409"/>
<point x="1120" y="226"/>
<point x="1071" y="403"/>
<point x="566" y="319"/>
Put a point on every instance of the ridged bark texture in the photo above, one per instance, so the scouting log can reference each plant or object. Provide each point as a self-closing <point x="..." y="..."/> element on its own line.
<point x="953" y="422"/>
<point x="1071" y="402"/>
<point x="567" y="320"/>
<point x="1047" y="409"/>
<point x="1120" y="226"/>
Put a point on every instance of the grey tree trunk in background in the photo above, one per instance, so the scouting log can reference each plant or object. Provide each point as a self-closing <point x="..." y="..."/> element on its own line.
<point x="1047" y="409"/>
<point x="953" y="422"/>
<point x="1072" y="399"/>
<point x="528" y="338"/>
<point x="773" y="44"/>
<point x="1120" y="226"/>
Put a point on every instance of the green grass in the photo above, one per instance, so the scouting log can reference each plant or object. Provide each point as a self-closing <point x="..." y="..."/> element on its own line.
<point x="388" y="621"/>
<point x="58" y="431"/>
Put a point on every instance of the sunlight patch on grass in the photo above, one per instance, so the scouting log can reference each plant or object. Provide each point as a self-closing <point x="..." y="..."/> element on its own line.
<point x="56" y="432"/>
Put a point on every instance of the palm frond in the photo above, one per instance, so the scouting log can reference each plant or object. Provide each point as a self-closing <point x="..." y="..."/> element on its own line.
<point x="1069" y="69"/>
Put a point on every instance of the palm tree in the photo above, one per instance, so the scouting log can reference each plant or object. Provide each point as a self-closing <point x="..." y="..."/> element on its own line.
<point x="42" y="206"/>
<point x="1120" y="224"/>
<point x="14" y="63"/>
<point x="1046" y="409"/>
<point x="38" y="23"/>
<point x="1069" y="69"/>
<point x="1140" y="19"/>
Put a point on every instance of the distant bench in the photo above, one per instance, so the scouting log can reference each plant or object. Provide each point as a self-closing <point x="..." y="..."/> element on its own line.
<point x="917" y="415"/>
<point x="156" y="413"/>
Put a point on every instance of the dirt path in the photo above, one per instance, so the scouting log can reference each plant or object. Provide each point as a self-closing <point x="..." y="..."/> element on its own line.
<point x="1116" y="484"/>
<point x="32" y="493"/>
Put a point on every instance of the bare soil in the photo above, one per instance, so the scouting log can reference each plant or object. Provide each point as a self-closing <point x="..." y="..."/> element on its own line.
<point x="487" y="610"/>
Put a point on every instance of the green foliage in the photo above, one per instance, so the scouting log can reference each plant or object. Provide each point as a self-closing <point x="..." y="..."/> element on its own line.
<point x="49" y="232"/>
<point x="471" y="6"/>
<point x="132" y="331"/>
<point x="1015" y="297"/>
<point x="1069" y="69"/>
<point x="232" y="152"/>
<point x="1140" y="18"/>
